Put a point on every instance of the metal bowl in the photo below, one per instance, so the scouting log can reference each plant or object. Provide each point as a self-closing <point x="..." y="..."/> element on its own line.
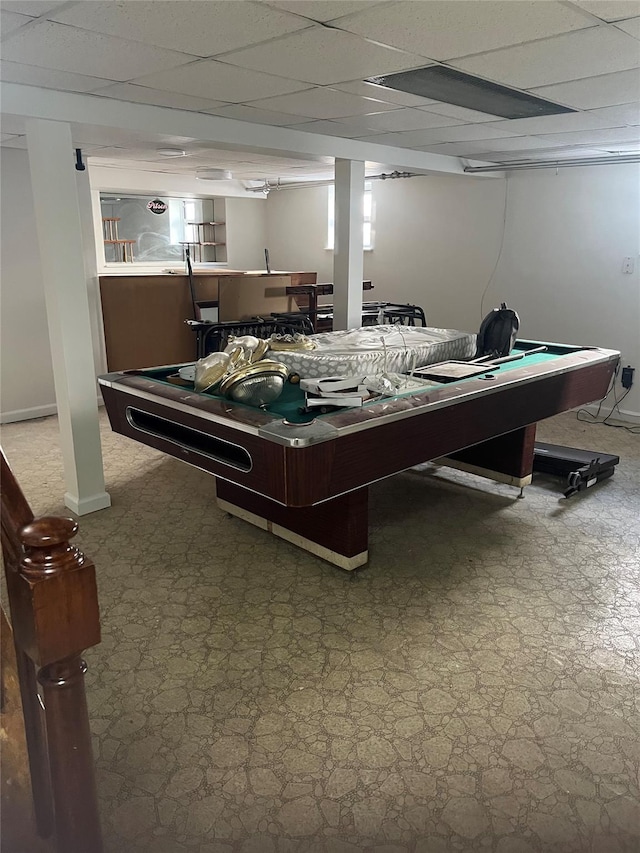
<point x="257" y="385"/>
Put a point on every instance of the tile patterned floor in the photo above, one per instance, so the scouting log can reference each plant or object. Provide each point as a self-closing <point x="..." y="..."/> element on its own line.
<point x="475" y="688"/>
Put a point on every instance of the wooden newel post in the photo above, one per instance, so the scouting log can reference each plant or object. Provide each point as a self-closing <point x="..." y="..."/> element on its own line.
<point x="59" y="618"/>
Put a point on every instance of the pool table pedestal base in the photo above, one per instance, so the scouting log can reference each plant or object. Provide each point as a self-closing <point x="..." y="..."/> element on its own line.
<point x="335" y="530"/>
<point x="506" y="458"/>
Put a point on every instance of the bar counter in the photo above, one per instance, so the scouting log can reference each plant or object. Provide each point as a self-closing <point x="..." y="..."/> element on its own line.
<point x="143" y="315"/>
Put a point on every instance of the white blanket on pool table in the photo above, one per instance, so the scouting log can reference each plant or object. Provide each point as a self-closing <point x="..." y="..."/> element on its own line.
<point x="378" y="349"/>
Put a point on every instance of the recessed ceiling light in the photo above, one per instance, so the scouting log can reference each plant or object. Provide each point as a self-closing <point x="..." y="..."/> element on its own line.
<point x="171" y="152"/>
<point x="214" y="175"/>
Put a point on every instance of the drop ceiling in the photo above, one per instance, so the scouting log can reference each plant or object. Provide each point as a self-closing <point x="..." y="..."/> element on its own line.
<point x="304" y="64"/>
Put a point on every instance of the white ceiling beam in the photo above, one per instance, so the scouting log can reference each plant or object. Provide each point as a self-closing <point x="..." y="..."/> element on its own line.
<point x="32" y="102"/>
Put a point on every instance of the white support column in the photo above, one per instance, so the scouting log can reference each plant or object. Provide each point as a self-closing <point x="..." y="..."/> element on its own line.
<point x="348" y="253"/>
<point x="59" y="230"/>
<point x="89" y="227"/>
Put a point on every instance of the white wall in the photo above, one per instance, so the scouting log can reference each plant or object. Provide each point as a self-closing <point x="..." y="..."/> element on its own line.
<point x="561" y="266"/>
<point x="437" y="240"/>
<point x="297" y="231"/>
<point x="246" y="231"/>
<point x="26" y="374"/>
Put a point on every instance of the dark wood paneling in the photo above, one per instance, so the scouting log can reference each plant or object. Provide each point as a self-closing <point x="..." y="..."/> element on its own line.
<point x="399" y="444"/>
<point x="267" y="475"/>
<point x="303" y="476"/>
<point x="340" y="524"/>
<point x="510" y="454"/>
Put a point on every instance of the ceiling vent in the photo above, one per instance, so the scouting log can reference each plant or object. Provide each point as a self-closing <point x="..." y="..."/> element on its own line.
<point x="453" y="87"/>
<point x="214" y="175"/>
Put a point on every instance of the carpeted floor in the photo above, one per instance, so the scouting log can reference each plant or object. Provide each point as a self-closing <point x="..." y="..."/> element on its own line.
<point x="475" y="688"/>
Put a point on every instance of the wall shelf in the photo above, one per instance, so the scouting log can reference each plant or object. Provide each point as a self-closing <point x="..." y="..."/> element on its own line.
<point x="206" y="236"/>
<point x="123" y="248"/>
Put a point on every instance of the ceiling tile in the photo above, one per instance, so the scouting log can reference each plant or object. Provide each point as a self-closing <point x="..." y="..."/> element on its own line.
<point x="144" y="95"/>
<point x="10" y="21"/>
<point x="549" y="154"/>
<point x="515" y="143"/>
<point x="621" y="147"/>
<point x="594" y="137"/>
<point x="333" y="128"/>
<point x="89" y="134"/>
<point x="33" y="8"/>
<point x="540" y="154"/>
<point x="603" y="91"/>
<point x="440" y="29"/>
<point x="13" y="125"/>
<point x="63" y="48"/>
<point x="203" y="29"/>
<point x="399" y="120"/>
<point x="15" y="142"/>
<point x="218" y="81"/>
<point x="632" y="26"/>
<point x="322" y="104"/>
<point x="418" y="138"/>
<point x="563" y="123"/>
<point x="467" y="133"/>
<point x="599" y="50"/>
<point x="322" y="10"/>
<point x="241" y="112"/>
<point x="323" y="56"/>
<point x="609" y="10"/>
<point x="29" y="75"/>
<point x="624" y="114"/>
<point x="21" y="142"/>
<point x="455" y="149"/>
<point x="455" y="111"/>
<point x="383" y="93"/>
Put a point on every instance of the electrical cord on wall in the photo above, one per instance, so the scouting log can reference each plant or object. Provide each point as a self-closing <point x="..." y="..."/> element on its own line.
<point x="504" y="230"/>
<point x="593" y="419"/>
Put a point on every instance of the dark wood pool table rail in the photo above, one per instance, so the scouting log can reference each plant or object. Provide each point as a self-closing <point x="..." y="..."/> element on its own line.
<point x="306" y="491"/>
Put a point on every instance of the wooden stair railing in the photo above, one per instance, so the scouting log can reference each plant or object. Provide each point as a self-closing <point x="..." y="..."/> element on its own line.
<point x="53" y="604"/>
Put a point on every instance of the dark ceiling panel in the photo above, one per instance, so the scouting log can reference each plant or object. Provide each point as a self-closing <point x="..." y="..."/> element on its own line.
<point x="464" y="90"/>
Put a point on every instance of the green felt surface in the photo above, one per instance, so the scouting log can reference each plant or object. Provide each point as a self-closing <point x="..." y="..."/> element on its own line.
<point x="291" y="400"/>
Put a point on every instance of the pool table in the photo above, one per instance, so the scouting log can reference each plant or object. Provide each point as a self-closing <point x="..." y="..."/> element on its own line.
<point x="305" y="478"/>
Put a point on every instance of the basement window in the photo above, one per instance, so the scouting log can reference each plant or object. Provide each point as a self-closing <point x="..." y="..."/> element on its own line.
<point x="367" y="224"/>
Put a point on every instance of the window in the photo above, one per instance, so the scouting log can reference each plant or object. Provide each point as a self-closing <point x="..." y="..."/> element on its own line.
<point x="367" y="225"/>
<point x="134" y="232"/>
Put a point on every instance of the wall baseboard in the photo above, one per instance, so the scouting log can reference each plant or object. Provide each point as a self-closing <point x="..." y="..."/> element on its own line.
<point x="28" y="414"/>
<point x="33" y="413"/>
<point x="622" y="415"/>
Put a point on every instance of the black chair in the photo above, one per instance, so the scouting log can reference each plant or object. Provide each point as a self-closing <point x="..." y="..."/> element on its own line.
<point x="407" y="315"/>
<point x="213" y="337"/>
<point x="392" y="312"/>
<point x="299" y="321"/>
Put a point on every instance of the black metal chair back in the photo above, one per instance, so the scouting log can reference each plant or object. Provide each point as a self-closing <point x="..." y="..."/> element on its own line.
<point x="213" y="337"/>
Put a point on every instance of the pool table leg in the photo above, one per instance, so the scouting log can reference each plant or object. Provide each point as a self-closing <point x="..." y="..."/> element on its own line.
<point x="335" y="530"/>
<point x="507" y="458"/>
